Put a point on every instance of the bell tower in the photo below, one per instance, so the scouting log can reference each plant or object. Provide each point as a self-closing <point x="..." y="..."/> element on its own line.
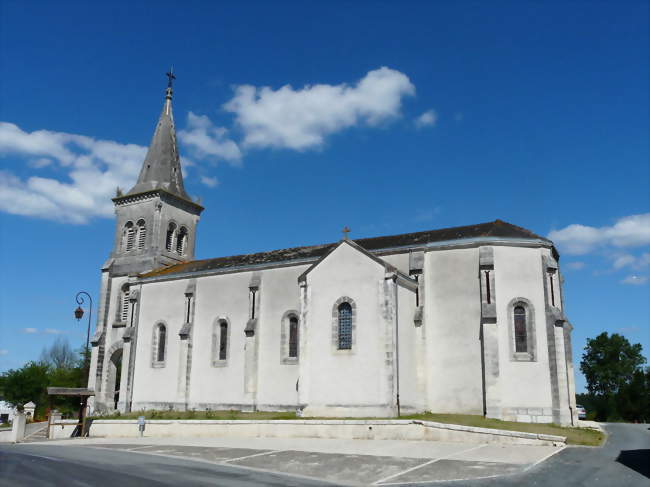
<point x="156" y="219"/>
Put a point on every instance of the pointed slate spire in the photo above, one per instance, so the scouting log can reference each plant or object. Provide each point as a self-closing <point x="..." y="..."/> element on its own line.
<point x="161" y="168"/>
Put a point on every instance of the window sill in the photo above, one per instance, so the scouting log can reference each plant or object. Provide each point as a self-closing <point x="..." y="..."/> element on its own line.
<point x="157" y="365"/>
<point x="220" y="363"/>
<point x="290" y="361"/>
<point x="522" y="357"/>
<point x="119" y="324"/>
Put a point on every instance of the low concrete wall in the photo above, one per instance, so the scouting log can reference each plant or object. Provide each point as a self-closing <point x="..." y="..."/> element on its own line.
<point x="339" y="429"/>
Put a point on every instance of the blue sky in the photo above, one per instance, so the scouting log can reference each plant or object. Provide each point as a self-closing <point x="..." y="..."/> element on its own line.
<point x="297" y="118"/>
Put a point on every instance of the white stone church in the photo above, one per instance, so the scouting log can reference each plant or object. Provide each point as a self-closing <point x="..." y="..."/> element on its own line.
<point x="457" y="320"/>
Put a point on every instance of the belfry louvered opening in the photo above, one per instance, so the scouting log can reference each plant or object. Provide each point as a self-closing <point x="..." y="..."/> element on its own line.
<point x="169" y="240"/>
<point x="142" y="234"/>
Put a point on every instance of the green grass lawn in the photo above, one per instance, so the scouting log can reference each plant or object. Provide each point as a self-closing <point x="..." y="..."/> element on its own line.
<point x="575" y="436"/>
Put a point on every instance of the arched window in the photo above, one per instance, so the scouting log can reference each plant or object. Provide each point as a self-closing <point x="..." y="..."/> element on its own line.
<point x="128" y="237"/>
<point x="171" y="233"/>
<point x="521" y="333"/>
<point x="142" y="234"/>
<point x="293" y="337"/>
<point x="220" y="336"/>
<point x="223" y="340"/>
<point x="345" y="326"/>
<point x="181" y="241"/>
<point x="162" y="339"/>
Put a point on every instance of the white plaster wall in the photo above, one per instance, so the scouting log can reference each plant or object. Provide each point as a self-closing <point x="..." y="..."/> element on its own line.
<point x="221" y="296"/>
<point x="518" y="273"/>
<point x="346" y="379"/>
<point x="452" y="320"/>
<point x="227" y="296"/>
<point x="161" y="301"/>
<point x="407" y="352"/>
<point x="280" y="293"/>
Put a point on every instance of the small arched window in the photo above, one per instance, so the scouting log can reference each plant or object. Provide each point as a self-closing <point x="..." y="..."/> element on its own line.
<point x="293" y="337"/>
<point x="223" y="340"/>
<point x="169" y="240"/>
<point x="142" y="234"/>
<point x="181" y="242"/>
<point x="521" y="333"/>
<point x="162" y="339"/>
<point x="345" y="326"/>
<point x="128" y="237"/>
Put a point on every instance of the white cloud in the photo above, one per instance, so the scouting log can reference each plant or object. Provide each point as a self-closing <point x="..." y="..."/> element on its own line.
<point x="210" y="182"/>
<point x="40" y="162"/>
<point x="635" y="280"/>
<point x="30" y="330"/>
<point x="301" y="119"/>
<point x="629" y="231"/>
<point x="575" y="266"/>
<point x="203" y="138"/>
<point x="426" y="119"/>
<point x="4" y="351"/>
<point x="94" y="169"/>
<point x="53" y="331"/>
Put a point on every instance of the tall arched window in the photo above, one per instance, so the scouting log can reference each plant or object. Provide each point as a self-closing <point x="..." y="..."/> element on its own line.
<point x="345" y="326"/>
<point x="169" y="241"/>
<point x="162" y="339"/>
<point x="142" y="234"/>
<point x="223" y="340"/>
<point x="521" y="333"/>
<point x="293" y="337"/>
<point x="128" y="237"/>
<point x="181" y="242"/>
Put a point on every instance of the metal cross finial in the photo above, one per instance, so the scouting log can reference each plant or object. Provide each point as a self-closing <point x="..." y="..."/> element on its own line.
<point x="170" y="75"/>
<point x="346" y="230"/>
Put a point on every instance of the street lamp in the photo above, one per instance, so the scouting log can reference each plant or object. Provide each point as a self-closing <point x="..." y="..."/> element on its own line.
<point x="78" y="313"/>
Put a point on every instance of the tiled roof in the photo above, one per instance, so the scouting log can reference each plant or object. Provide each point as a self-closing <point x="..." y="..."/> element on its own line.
<point x="496" y="228"/>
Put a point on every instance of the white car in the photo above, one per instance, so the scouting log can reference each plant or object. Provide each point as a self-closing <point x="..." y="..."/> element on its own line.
<point x="582" y="412"/>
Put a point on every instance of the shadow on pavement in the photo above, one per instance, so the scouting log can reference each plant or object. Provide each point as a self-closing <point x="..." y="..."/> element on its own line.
<point x="638" y="460"/>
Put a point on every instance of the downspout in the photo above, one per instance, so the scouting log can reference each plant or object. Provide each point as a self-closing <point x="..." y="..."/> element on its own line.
<point x="397" y="344"/>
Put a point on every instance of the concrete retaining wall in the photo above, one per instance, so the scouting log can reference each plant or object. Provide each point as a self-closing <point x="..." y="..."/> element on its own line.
<point x="340" y="429"/>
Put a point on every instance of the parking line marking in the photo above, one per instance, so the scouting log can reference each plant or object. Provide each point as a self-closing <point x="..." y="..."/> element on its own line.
<point x="140" y="447"/>
<point x="433" y="460"/>
<point x="255" y="455"/>
<point x="544" y="458"/>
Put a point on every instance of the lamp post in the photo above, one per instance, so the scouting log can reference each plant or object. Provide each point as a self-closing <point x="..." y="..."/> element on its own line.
<point x="78" y="313"/>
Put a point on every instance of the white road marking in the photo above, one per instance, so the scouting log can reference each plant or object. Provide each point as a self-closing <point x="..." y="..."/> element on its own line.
<point x="251" y="456"/>
<point x="433" y="460"/>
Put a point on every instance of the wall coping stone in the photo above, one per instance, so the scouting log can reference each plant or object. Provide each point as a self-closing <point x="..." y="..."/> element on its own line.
<point x="333" y="422"/>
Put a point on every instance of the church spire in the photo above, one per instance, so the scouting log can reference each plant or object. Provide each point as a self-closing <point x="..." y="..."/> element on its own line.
<point x="161" y="168"/>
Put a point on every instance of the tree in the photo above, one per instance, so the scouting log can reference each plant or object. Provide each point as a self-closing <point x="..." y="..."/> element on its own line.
<point x="58" y="366"/>
<point x="26" y="384"/>
<point x="616" y="381"/>
<point x="59" y="355"/>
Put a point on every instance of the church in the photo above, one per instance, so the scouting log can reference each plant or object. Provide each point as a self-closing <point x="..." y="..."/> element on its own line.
<point x="456" y="320"/>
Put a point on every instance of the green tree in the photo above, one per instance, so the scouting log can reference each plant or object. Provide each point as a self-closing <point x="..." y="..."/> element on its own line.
<point x="29" y="383"/>
<point x="611" y="365"/>
<point x="58" y="366"/>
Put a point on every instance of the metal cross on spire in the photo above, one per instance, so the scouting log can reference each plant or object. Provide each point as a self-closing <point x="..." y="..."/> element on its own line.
<point x="345" y="230"/>
<point x="170" y="75"/>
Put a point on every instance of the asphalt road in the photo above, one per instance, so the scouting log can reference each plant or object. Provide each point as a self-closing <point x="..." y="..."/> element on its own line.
<point x="623" y="461"/>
